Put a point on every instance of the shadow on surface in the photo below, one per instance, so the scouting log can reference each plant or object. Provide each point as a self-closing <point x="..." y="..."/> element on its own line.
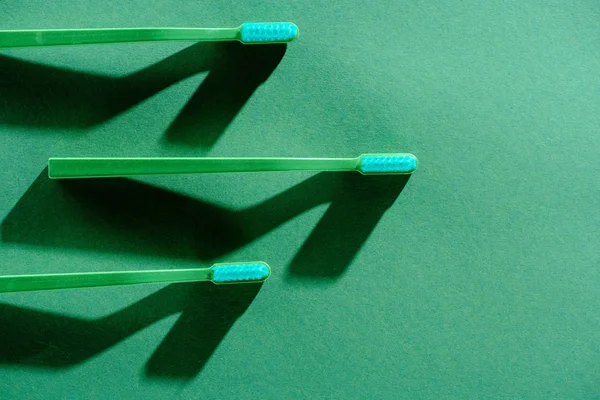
<point x="223" y="94"/>
<point x="43" y="339"/>
<point x="38" y="95"/>
<point x="121" y="215"/>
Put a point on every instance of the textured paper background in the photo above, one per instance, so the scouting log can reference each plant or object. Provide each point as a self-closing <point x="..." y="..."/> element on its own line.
<point x="479" y="279"/>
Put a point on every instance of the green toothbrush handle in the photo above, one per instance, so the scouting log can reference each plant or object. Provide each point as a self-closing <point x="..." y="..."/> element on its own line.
<point x="59" y="168"/>
<point x="21" y="283"/>
<point x="52" y="37"/>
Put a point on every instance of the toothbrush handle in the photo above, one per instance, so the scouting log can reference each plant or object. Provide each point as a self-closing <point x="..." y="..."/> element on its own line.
<point x="21" y="283"/>
<point x="52" y="37"/>
<point x="59" y="168"/>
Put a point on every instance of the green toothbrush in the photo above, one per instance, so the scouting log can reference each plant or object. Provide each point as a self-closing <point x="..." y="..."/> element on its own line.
<point x="60" y="168"/>
<point x="248" y="33"/>
<point x="218" y="274"/>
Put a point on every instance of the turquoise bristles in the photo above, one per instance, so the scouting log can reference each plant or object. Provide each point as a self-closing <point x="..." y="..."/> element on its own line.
<point x="236" y="273"/>
<point x="267" y="32"/>
<point x="387" y="164"/>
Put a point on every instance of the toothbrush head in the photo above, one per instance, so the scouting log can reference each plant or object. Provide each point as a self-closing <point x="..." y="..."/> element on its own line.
<point x="378" y="164"/>
<point x="240" y="272"/>
<point x="268" y="32"/>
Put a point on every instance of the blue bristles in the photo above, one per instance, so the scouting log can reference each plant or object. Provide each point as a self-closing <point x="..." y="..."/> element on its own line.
<point x="271" y="32"/>
<point x="234" y="273"/>
<point x="387" y="164"/>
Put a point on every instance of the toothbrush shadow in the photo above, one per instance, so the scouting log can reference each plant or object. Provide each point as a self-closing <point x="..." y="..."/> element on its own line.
<point x="122" y="215"/>
<point x="44" y="339"/>
<point x="43" y="96"/>
<point x="223" y="93"/>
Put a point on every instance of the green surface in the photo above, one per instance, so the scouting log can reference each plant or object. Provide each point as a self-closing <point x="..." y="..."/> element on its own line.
<point x="479" y="280"/>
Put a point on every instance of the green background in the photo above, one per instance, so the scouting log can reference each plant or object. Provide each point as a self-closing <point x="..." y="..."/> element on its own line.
<point x="477" y="278"/>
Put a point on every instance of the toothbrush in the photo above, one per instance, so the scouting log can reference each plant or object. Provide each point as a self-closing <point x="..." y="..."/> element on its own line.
<point x="366" y="164"/>
<point x="218" y="274"/>
<point x="247" y="33"/>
